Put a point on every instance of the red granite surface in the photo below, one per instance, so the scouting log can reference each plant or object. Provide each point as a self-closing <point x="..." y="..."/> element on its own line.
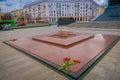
<point x="84" y="51"/>
<point x="63" y="38"/>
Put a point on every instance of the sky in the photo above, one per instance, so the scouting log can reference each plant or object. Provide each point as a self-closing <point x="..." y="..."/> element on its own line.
<point x="9" y="5"/>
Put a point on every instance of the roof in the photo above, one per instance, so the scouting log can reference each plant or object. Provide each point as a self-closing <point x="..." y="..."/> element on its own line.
<point x="41" y="1"/>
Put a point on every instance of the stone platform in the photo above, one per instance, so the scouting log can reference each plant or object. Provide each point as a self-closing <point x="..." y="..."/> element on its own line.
<point x="88" y="48"/>
<point x="64" y="39"/>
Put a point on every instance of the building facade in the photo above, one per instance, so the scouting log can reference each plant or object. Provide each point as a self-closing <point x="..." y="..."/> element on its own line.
<point x="1" y="14"/>
<point x="52" y="10"/>
<point x="18" y="15"/>
<point x="101" y="10"/>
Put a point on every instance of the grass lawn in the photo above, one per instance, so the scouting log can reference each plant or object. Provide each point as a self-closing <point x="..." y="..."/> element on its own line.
<point x="23" y="27"/>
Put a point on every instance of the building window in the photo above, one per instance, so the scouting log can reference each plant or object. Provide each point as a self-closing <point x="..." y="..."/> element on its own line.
<point x="77" y="5"/>
<point x="29" y="10"/>
<point x="86" y="6"/>
<point x="50" y="5"/>
<point x="33" y="9"/>
<point x="58" y="5"/>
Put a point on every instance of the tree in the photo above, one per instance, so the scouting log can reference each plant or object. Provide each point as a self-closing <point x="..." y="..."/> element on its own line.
<point x="21" y="16"/>
<point x="27" y="17"/>
<point x="7" y="16"/>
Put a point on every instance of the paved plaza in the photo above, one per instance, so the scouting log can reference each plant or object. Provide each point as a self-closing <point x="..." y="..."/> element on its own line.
<point x="15" y="65"/>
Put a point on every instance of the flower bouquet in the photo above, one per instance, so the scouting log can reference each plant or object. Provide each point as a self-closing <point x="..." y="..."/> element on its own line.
<point x="68" y="63"/>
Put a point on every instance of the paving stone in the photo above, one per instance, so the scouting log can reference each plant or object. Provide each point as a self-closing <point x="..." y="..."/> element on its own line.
<point x="99" y="73"/>
<point x="3" y="74"/>
<point x="15" y="65"/>
<point x="107" y="68"/>
<point x="115" y="76"/>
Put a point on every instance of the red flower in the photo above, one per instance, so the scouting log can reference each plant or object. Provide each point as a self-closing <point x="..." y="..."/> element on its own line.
<point x="76" y="61"/>
<point x="66" y="59"/>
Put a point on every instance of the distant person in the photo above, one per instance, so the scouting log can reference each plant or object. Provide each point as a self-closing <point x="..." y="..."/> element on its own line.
<point x="3" y="26"/>
<point x="0" y="26"/>
<point x="6" y="26"/>
<point x="9" y="25"/>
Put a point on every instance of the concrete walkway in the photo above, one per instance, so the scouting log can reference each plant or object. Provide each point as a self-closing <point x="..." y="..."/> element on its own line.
<point x="15" y="65"/>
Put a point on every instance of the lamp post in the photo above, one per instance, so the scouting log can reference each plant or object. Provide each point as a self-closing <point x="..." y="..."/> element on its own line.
<point x="34" y="19"/>
<point x="34" y="15"/>
<point x="44" y="7"/>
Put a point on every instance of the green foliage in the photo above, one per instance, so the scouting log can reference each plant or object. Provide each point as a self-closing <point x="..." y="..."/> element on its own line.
<point x="23" y="27"/>
<point x="67" y="65"/>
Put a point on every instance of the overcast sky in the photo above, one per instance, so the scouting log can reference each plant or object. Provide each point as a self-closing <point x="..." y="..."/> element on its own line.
<point x="9" y="5"/>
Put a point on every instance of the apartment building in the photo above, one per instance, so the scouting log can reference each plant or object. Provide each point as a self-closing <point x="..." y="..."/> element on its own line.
<point x="1" y="14"/>
<point x="52" y="10"/>
<point x="17" y="15"/>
